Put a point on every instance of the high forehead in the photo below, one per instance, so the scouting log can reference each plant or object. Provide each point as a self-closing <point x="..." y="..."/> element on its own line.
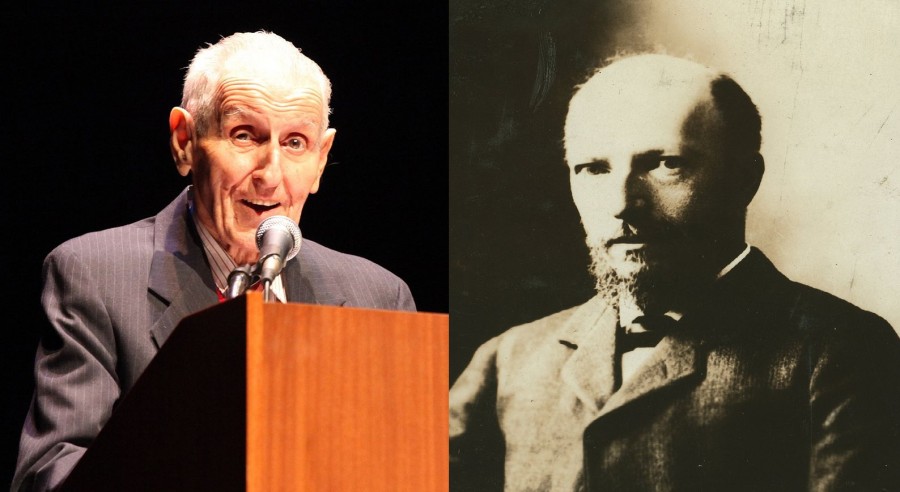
<point x="242" y="97"/>
<point x="279" y="77"/>
<point x="638" y="103"/>
<point x="260" y="93"/>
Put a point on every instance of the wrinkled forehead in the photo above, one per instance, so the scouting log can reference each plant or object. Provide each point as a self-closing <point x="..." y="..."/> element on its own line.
<point x="282" y="77"/>
<point x="642" y="103"/>
<point x="269" y="89"/>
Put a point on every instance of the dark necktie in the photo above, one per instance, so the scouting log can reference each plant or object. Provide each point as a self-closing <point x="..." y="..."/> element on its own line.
<point x="645" y="331"/>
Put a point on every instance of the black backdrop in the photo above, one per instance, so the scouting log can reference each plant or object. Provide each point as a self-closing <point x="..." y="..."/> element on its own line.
<point x="86" y="100"/>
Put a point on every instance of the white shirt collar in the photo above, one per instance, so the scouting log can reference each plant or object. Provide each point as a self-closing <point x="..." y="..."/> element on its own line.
<point x="730" y="266"/>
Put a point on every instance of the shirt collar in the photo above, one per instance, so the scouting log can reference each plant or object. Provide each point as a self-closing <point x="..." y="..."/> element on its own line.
<point x="739" y="258"/>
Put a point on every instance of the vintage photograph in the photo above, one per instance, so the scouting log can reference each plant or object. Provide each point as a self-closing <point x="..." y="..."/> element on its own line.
<point x="674" y="245"/>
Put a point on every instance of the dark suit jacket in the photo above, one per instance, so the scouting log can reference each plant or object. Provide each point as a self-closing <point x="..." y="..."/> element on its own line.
<point x="113" y="297"/>
<point x="771" y="385"/>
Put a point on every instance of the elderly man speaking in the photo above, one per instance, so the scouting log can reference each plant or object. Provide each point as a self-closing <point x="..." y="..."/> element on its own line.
<point x="697" y="366"/>
<point x="252" y="134"/>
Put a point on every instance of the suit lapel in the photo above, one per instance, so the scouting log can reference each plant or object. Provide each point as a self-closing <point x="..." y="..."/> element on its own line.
<point x="181" y="286"/>
<point x="590" y="371"/>
<point x="676" y="358"/>
<point x="179" y="274"/>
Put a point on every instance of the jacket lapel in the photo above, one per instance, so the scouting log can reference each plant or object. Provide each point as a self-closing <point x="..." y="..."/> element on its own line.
<point x="590" y="371"/>
<point x="676" y="358"/>
<point x="179" y="275"/>
<point x="181" y="286"/>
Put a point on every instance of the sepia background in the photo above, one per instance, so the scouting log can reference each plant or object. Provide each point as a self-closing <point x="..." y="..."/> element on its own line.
<point x="823" y="73"/>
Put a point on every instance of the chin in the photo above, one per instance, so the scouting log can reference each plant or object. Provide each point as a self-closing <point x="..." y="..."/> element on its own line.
<point x="654" y="281"/>
<point x="628" y="269"/>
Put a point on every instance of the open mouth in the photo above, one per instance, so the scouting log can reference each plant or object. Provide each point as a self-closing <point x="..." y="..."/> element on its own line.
<point x="260" y="207"/>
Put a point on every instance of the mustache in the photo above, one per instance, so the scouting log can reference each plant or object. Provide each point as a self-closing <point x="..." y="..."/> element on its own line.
<point x="630" y="234"/>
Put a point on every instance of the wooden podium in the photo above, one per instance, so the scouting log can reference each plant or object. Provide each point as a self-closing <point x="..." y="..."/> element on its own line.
<point x="254" y="396"/>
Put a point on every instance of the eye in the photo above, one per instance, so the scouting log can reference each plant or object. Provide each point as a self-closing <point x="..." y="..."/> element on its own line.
<point x="242" y="135"/>
<point x="592" y="168"/>
<point x="667" y="167"/>
<point x="672" y="162"/>
<point x="296" y="143"/>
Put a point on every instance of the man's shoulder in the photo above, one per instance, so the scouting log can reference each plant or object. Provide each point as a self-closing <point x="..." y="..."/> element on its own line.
<point x="798" y="311"/>
<point x="349" y="279"/>
<point x="118" y="238"/>
<point x="823" y="313"/>
<point x="532" y="345"/>
<point x="547" y="328"/>
<point x="322" y="258"/>
<point x="549" y="322"/>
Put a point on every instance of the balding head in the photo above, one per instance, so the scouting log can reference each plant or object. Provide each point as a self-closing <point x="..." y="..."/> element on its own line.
<point x="635" y="92"/>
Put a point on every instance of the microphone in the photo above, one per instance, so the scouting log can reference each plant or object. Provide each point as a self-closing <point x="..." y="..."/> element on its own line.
<point x="238" y="280"/>
<point x="278" y="239"/>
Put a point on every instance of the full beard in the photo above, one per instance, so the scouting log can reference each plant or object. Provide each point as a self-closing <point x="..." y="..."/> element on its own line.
<point x="657" y="279"/>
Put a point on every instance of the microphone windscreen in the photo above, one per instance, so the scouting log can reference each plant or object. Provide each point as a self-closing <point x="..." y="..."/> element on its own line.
<point x="282" y="224"/>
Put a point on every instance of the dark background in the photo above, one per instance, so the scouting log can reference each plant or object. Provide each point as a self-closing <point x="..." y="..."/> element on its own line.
<point x="516" y="245"/>
<point x="87" y="93"/>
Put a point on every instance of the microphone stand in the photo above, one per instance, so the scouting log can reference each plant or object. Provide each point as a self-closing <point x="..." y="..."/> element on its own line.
<point x="267" y="290"/>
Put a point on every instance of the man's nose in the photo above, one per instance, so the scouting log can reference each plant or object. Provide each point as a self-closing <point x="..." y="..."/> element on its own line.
<point x="268" y="171"/>
<point x="628" y="195"/>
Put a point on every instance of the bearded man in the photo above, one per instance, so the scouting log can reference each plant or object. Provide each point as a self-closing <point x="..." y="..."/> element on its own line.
<point x="697" y="366"/>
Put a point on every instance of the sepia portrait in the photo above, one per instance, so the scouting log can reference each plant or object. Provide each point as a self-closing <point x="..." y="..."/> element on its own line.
<point x="733" y="167"/>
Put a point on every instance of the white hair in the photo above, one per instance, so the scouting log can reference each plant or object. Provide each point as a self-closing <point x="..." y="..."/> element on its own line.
<point x="260" y="52"/>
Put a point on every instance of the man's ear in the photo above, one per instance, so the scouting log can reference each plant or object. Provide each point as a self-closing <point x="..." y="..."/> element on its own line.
<point x="181" y="139"/>
<point x="324" y="147"/>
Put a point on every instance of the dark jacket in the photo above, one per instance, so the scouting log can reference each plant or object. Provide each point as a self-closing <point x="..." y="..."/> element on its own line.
<point x="113" y="297"/>
<point x="770" y="385"/>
